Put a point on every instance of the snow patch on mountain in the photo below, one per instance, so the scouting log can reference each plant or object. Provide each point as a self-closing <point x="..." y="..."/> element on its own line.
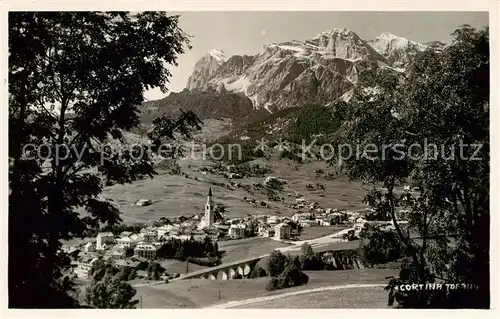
<point x="397" y="50"/>
<point x="218" y="55"/>
<point x="321" y="69"/>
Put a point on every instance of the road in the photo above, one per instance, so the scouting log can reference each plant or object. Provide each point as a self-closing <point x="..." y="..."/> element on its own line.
<point x="321" y="241"/>
<point x="238" y="303"/>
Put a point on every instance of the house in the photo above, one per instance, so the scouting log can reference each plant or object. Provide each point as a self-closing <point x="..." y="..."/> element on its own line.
<point x="302" y="216"/>
<point x="307" y="223"/>
<point x="143" y="202"/>
<point x="282" y="231"/>
<point x="106" y="238"/>
<point x="125" y="233"/>
<point x="89" y="247"/>
<point x="137" y="237"/>
<point x="150" y="236"/>
<point x="117" y="252"/>
<point x="267" y="232"/>
<point x="126" y="263"/>
<point x="237" y="231"/>
<point x="324" y="222"/>
<point x="83" y="267"/>
<point x="212" y="232"/>
<point x="302" y="201"/>
<point x="147" y="251"/>
<point x="126" y="242"/>
<point x="273" y="220"/>
<point x="359" y="224"/>
<point x="164" y="230"/>
<point x="141" y="274"/>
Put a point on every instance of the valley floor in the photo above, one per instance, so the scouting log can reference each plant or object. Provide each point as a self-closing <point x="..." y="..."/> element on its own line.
<point x="174" y="195"/>
<point x="196" y="293"/>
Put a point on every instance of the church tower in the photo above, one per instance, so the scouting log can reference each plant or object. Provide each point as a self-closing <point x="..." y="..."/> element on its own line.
<point x="209" y="209"/>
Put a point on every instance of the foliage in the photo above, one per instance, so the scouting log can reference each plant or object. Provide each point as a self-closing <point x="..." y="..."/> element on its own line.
<point x="442" y="100"/>
<point x="155" y="270"/>
<point x="184" y="249"/>
<point x="306" y="250"/>
<point x="257" y="272"/>
<point x="292" y="154"/>
<point x="275" y="184"/>
<point x="291" y="276"/>
<point x="207" y="262"/>
<point x="276" y="263"/>
<point x="382" y="247"/>
<point x="126" y="273"/>
<point x="110" y="292"/>
<point x="309" y="260"/>
<point x="314" y="120"/>
<point x="118" y="229"/>
<point x="229" y="151"/>
<point x="76" y="81"/>
<point x="168" y="165"/>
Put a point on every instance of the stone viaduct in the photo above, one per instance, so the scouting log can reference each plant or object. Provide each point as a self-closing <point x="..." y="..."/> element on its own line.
<point x="226" y="271"/>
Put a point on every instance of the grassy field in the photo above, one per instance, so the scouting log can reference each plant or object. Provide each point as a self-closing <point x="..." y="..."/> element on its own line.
<point x="318" y="231"/>
<point x="195" y="293"/>
<point x="249" y="247"/>
<point x="361" y="298"/>
<point x="173" y="195"/>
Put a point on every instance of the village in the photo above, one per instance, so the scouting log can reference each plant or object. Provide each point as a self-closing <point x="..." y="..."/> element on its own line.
<point x="130" y="248"/>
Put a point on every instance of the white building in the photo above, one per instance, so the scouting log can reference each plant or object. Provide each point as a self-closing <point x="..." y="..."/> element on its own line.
<point x="145" y="251"/>
<point x="237" y="231"/>
<point x="209" y="217"/>
<point x="282" y="231"/>
<point x="359" y="224"/>
<point x="150" y="236"/>
<point x="301" y="201"/>
<point x="273" y="219"/>
<point x="126" y="242"/>
<point x="266" y="231"/>
<point x="104" y="240"/>
<point x="301" y="216"/>
<point x="137" y="237"/>
<point x="324" y="222"/>
<point x="83" y="268"/>
<point x="89" y="247"/>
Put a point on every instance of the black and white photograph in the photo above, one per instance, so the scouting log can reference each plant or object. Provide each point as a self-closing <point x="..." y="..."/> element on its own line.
<point x="166" y="159"/>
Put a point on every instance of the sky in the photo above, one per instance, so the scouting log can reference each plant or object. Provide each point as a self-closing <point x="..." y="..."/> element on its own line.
<point x="246" y="32"/>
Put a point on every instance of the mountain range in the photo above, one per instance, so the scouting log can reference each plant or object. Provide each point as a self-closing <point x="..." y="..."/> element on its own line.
<point x="319" y="70"/>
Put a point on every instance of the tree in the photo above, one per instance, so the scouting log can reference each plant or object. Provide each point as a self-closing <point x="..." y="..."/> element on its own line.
<point x="76" y="81"/>
<point x="276" y="263"/>
<point x="290" y="277"/>
<point x="129" y="252"/>
<point x="257" y="272"/>
<point x="306" y="250"/>
<point x="382" y="247"/>
<point x="442" y="100"/>
<point x="111" y="292"/>
<point x="309" y="260"/>
<point x="155" y="271"/>
<point x="126" y="273"/>
<point x="98" y="269"/>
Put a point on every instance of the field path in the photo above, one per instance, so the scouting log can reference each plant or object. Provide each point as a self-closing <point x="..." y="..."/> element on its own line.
<point x="233" y="304"/>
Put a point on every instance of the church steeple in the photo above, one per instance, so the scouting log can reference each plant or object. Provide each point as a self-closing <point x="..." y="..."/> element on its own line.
<point x="209" y="209"/>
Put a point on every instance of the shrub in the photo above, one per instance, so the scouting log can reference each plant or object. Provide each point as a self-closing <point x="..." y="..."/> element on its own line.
<point x="276" y="263"/>
<point x="291" y="276"/>
<point x="257" y="272"/>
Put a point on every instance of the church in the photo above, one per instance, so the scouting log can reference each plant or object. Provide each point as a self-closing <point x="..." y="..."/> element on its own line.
<point x="210" y="216"/>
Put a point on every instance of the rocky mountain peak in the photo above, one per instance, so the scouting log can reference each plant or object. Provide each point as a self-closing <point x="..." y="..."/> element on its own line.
<point x="293" y="73"/>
